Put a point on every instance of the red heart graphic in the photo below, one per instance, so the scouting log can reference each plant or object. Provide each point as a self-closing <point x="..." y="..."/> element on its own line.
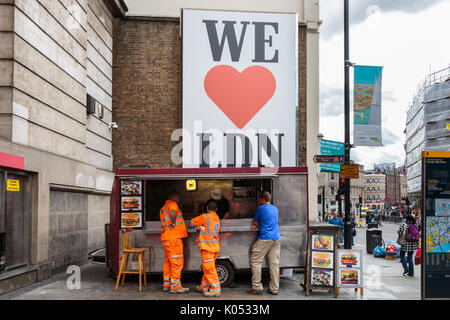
<point x="240" y="95"/>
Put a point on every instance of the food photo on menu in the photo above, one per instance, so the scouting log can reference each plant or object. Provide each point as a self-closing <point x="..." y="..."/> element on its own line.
<point x="349" y="276"/>
<point x="131" y="219"/>
<point x="131" y="188"/>
<point x="322" y="259"/>
<point x="322" y="278"/>
<point x="131" y="203"/>
<point x="321" y="242"/>
<point x="349" y="259"/>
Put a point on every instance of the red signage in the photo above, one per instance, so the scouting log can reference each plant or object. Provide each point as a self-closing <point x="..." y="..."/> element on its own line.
<point x="11" y="161"/>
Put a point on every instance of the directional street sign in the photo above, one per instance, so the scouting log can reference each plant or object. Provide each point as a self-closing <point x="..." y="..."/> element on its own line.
<point x="331" y="148"/>
<point x="328" y="159"/>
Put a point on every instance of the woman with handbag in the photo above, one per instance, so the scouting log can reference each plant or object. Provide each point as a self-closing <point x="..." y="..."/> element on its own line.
<point x="408" y="238"/>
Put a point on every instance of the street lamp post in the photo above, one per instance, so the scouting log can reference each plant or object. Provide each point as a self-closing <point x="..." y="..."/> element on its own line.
<point x="347" y="220"/>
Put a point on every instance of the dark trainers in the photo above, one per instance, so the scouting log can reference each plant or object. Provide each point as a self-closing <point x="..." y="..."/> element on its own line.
<point x="410" y="275"/>
<point x="254" y="291"/>
<point x="405" y="272"/>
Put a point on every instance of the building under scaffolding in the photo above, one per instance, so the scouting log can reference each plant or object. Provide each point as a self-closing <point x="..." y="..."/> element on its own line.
<point x="427" y="125"/>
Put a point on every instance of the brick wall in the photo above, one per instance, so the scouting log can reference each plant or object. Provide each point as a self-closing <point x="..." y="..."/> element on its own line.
<point x="302" y="96"/>
<point x="147" y="91"/>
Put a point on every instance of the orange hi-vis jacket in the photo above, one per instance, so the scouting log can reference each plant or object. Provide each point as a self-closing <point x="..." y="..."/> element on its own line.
<point x="209" y="238"/>
<point x="180" y="227"/>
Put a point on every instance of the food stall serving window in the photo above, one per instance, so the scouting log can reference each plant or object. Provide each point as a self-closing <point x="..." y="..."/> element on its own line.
<point x="239" y="196"/>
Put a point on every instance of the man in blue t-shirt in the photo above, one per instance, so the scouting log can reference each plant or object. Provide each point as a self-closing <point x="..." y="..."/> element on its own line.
<point x="338" y="222"/>
<point x="266" y="219"/>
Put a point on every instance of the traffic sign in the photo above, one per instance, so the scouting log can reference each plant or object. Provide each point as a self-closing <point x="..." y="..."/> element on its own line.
<point x="349" y="171"/>
<point x="328" y="159"/>
<point x="342" y="197"/>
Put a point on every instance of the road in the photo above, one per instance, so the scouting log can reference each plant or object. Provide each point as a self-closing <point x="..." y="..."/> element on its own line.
<point x="382" y="280"/>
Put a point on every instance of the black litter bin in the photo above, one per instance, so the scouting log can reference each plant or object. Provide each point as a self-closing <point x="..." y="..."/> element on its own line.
<point x="374" y="237"/>
<point x="372" y="225"/>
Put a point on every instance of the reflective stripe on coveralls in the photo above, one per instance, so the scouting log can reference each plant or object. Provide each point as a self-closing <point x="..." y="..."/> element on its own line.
<point x="209" y="239"/>
<point x="173" y="246"/>
<point x="180" y="227"/>
<point x="210" y="281"/>
<point x="208" y="242"/>
<point x="173" y="263"/>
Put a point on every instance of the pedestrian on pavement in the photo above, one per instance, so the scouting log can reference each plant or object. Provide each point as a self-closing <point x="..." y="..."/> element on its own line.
<point x="353" y="228"/>
<point x="408" y="238"/>
<point x="208" y="225"/>
<point x="173" y="229"/>
<point x="268" y="243"/>
<point x="379" y="219"/>
<point x="338" y="222"/>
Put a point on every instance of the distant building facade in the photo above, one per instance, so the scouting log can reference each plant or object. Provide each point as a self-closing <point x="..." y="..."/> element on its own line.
<point x="374" y="190"/>
<point x="328" y="189"/>
<point x="426" y="126"/>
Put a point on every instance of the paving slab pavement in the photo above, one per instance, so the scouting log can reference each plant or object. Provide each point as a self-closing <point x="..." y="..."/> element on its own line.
<point x="382" y="280"/>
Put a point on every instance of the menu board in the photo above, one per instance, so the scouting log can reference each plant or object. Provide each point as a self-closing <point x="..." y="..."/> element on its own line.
<point x="322" y="261"/>
<point x="350" y="268"/>
<point x="436" y="225"/>
<point x="131" y="206"/>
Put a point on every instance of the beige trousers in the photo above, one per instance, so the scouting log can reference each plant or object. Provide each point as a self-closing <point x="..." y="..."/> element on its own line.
<point x="260" y="249"/>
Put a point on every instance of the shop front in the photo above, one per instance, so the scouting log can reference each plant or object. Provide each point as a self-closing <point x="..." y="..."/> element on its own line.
<point x="214" y="98"/>
<point x="15" y="213"/>
<point x="139" y="195"/>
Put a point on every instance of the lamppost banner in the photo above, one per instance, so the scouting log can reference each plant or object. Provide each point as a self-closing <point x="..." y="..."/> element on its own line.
<point x="367" y="106"/>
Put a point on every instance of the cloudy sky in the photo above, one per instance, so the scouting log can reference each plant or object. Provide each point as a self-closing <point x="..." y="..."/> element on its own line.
<point x="407" y="37"/>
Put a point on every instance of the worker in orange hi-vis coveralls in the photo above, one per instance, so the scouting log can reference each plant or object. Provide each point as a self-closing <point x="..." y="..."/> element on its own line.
<point x="208" y="225"/>
<point x="173" y="229"/>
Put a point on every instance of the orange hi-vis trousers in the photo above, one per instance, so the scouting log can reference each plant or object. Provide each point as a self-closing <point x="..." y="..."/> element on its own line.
<point x="173" y="263"/>
<point x="210" y="280"/>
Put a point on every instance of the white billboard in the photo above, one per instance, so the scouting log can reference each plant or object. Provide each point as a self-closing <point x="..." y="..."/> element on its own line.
<point x="240" y="89"/>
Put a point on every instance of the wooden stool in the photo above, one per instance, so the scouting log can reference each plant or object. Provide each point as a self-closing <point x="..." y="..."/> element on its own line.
<point x="127" y="250"/>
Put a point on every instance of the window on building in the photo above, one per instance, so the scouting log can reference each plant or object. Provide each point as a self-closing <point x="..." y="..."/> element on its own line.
<point x="332" y="191"/>
<point x="332" y="176"/>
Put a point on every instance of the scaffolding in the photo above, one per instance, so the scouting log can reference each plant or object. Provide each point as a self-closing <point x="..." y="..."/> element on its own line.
<point x="427" y="123"/>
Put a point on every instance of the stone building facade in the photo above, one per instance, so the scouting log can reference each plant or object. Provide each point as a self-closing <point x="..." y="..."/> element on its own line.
<point x="374" y="191"/>
<point x="328" y="189"/>
<point x="55" y="65"/>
